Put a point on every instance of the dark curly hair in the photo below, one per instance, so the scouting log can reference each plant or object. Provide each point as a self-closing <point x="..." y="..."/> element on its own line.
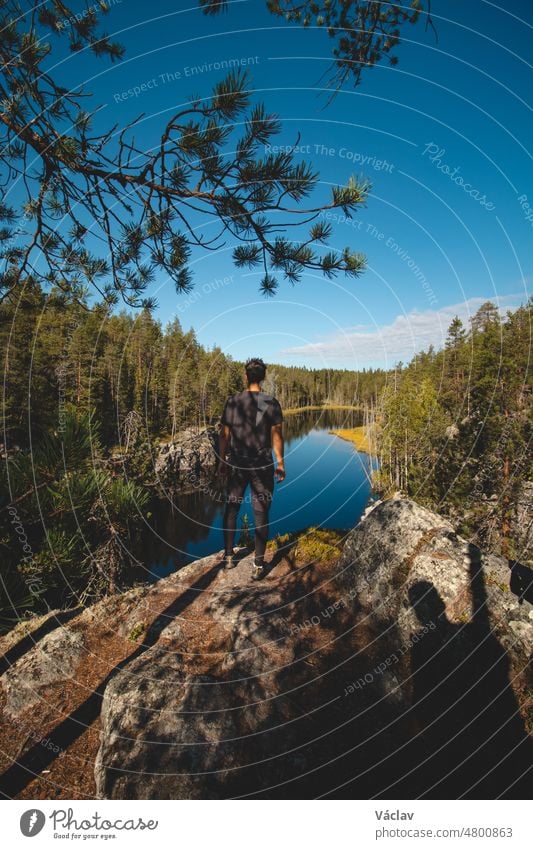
<point x="255" y="370"/>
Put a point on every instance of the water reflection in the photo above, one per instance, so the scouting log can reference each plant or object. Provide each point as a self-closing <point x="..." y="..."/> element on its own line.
<point x="299" y="424"/>
<point x="328" y="485"/>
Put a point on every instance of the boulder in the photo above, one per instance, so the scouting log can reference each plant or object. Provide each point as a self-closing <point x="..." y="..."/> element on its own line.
<point x="54" y="659"/>
<point x="188" y="461"/>
<point x="399" y="669"/>
<point x="455" y="632"/>
<point x="400" y="544"/>
<point x="197" y="713"/>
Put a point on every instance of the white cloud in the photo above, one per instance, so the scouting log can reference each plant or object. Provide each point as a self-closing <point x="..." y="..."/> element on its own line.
<point x="357" y="347"/>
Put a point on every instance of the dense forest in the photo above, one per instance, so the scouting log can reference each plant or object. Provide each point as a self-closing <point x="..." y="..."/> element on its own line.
<point x="301" y="387"/>
<point x="454" y="426"/>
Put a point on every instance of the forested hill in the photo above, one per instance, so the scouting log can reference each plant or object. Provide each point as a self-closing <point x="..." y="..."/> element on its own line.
<point x="59" y="355"/>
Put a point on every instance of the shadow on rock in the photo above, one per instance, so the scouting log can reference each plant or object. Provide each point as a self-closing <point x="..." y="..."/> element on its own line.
<point x="465" y="708"/>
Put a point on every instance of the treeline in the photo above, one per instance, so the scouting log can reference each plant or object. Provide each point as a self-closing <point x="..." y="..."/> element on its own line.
<point x="298" y="386"/>
<point x="454" y="426"/>
<point x="59" y="356"/>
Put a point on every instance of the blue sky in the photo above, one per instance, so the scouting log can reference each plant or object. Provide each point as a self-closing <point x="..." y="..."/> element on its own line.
<point x="453" y="110"/>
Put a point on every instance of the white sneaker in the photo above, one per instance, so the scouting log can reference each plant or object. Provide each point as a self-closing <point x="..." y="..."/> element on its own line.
<point x="229" y="561"/>
<point x="258" y="571"/>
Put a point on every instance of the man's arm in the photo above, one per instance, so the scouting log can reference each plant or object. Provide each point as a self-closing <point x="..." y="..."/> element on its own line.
<point x="277" y="445"/>
<point x="223" y="443"/>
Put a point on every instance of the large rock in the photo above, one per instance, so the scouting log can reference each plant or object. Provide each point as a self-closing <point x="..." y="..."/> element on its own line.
<point x="400" y="545"/>
<point x="196" y="714"/>
<point x="188" y="461"/>
<point x="454" y="644"/>
<point x="387" y="673"/>
<point x="54" y="659"/>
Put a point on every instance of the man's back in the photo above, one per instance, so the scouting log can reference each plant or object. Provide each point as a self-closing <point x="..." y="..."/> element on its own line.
<point x="250" y="417"/>
<point x="251" y="428"/>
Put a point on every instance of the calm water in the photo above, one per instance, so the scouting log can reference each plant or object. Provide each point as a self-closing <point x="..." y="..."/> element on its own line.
<point x="327" y="485"/>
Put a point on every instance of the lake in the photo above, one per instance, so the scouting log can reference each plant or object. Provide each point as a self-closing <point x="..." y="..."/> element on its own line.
<point x="327" y="485"/>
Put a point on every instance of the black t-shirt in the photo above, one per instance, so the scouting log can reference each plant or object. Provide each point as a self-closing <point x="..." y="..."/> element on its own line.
<point x="250" y="417"/>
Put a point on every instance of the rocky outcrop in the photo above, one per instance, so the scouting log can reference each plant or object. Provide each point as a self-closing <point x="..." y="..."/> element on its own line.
<point x="522" y="523"/>
<point x="395" y="666"/>
<point x="53" y="660"/>
<point x="172" y="731"/>
<point x="406" y="565"/>
<point x="455" y="631"/>
<point x="400" y="544"/>
<point x="217" y="697"/>
<point x="189" y="460"/>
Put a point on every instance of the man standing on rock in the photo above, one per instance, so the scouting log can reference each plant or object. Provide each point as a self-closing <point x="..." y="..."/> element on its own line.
<point x="251" y="428"/>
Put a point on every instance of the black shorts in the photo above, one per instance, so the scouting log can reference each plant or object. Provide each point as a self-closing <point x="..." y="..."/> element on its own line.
<point x="259" y="477"/>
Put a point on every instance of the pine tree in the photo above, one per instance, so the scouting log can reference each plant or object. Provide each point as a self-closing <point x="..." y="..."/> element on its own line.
<point x="365" y="32"/>
<point x="454" y="395"/>
<point x="128" y="213"/>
